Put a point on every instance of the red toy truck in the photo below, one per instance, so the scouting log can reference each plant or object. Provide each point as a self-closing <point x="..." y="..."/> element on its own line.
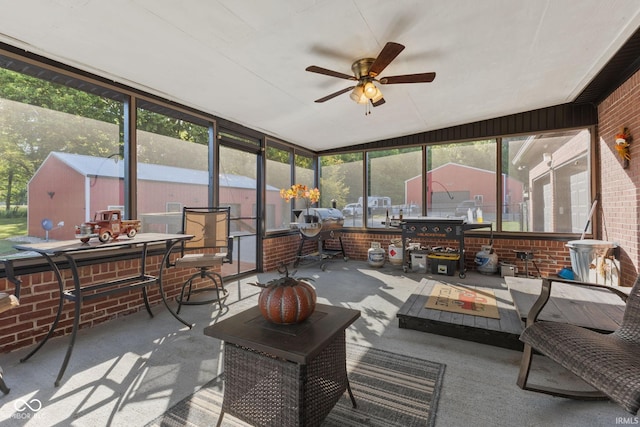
<point x="106" y="225"/>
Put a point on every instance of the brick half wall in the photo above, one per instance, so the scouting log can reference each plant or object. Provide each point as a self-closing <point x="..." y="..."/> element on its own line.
<point x="28" y="323"/>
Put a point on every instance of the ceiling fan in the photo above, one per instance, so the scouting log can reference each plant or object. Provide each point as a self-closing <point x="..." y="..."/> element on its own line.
<point x="366" y="71"/>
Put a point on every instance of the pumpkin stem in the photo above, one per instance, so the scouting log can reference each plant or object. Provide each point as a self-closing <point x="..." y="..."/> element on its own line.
<point x="282" y="269"/>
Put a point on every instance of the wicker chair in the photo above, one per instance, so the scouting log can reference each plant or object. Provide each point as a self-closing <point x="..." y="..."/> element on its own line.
<point x="608" y="362"/>
<point x="210" y="247"/>
<point x="7" y="301"/>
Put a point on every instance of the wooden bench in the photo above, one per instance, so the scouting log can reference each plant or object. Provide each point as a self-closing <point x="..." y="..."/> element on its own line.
<point x="609" y="362"/>
<point x="591" y="308"/>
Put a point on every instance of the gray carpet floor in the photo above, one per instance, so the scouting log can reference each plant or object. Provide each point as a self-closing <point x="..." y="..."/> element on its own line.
<point x="390" y="390"/>
<point x="129" y="371"/>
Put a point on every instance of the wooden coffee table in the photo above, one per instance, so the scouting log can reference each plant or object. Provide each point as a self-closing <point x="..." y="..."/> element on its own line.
<point x="284" y="375"/>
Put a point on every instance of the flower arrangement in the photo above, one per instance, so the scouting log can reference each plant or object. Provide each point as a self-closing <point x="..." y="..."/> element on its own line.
<point x="623" y="141"/>
<point x="300" y="191"/>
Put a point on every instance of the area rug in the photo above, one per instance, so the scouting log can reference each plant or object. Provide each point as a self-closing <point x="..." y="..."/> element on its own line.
<point x="463" y="300"/>
<point x="390" y="390"/>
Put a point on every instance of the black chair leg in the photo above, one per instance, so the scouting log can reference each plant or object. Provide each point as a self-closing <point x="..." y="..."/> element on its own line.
<point x="220" y="419"/>
<point x="185" y="294"/>
<point x="217" y="280"/>
<point x="353" y="399"/>
<point x="523" y="377"/>
<point x="181" y="298"/>
<point x="3" y="386"/>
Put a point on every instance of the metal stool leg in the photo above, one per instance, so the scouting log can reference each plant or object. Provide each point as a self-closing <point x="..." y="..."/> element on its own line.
<point x="3" y="386"/>
<point x="185" y="295"/>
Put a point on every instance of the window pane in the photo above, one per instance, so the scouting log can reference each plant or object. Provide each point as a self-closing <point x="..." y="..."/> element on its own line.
<point x="395" y="183"/>
<point x="60" y="153"/>
<point x="341" y="180"/>
<point x="172" y="170"/>
<point x="239" y="190"/>
<point x="461" y="180"/>
<point x="304" y="173"/>
<point x="278" y="175"/>
<point x="547" y="182"/>
<point x="304" y="170"/>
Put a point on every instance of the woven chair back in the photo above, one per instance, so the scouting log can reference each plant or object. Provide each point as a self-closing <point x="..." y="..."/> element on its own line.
<point x="209" y="226"/>
<point x="630" y="327"/>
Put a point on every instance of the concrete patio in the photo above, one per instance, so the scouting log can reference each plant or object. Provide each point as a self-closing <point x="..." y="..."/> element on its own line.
<point x="130" y="370"/>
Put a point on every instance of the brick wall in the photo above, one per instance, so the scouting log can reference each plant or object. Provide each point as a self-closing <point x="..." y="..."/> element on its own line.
<point x="550" y="256"/>
<point x="281" y="249"/>
<point x="28" y="323"/>
<point x="618" y="207"/>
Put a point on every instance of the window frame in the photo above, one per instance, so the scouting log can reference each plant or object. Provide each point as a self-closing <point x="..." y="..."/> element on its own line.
<point x="43" y="68"/>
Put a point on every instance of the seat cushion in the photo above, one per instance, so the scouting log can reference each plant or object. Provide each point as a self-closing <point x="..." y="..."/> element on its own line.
<point x="200" y="260"/>
<point x="605" y="361"/>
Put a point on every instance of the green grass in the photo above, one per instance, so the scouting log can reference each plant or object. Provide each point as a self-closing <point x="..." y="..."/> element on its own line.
<point x="11" y="227"/>
<point x="511" y="226"/>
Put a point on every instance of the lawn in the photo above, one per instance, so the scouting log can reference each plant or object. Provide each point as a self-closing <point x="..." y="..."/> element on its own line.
<point x="11" y="227"/>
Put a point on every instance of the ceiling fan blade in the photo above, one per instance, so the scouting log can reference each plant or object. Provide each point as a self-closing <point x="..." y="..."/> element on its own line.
<point x="320" y="70"/>
<point x="388" y="54"/>
<point x="378" y="102"/>
<point x="409" y="78"/>
<point x="333" y="95"/>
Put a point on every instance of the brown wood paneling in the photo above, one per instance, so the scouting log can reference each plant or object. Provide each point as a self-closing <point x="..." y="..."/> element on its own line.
<point x="545" y="119"/>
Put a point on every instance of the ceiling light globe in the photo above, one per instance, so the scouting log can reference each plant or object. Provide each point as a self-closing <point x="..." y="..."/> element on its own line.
<point x="363" y="99"/>
<point x="357" y="93"/>
<point x="378" y="96"/>
<point x="370" y="90"/>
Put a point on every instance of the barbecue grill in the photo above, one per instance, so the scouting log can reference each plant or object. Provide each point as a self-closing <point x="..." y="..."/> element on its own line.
<point x="326" y="219"/>
<point x="327" y="226"/>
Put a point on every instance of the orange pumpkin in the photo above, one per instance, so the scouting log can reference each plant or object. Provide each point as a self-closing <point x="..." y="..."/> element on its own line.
<point x="287" y="301"/>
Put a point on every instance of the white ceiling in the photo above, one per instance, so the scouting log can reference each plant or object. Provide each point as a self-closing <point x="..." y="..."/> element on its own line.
<point x="245" y="60"/>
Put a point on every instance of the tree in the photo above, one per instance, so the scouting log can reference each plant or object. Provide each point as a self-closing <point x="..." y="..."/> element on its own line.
<point x="39" y="116"/>
<point x="390" y="169"/>
<point x="334" y="172"/>
<point x="16" y="169"/>
<point x="161" y="137"/>
<point x="477" y="154"/>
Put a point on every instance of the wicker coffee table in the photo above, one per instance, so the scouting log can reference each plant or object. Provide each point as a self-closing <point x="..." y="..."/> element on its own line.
<point x="284" y="375"/>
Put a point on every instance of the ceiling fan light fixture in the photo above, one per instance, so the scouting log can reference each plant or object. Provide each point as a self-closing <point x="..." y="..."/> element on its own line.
<point x="370" y="90"/>
<point x="365" y="73"/>
<point x="377" y="96"/>
<point x="358" y="95"/>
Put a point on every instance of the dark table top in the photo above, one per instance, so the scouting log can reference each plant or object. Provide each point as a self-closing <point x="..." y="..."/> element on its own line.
<point x="298" y="343"/>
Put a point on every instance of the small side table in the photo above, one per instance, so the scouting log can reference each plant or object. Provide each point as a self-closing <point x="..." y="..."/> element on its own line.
<point x="284" y="375"/>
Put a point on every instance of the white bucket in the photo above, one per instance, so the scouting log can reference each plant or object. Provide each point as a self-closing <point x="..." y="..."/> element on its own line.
<point x="396" y="254"/>
<point x="588" y="259"/>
